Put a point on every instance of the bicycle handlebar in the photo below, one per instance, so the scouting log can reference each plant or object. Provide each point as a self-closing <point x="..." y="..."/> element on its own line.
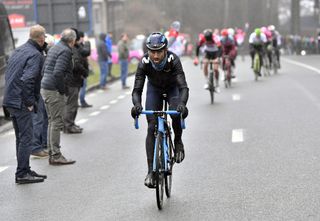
<point x="160" y="113"/>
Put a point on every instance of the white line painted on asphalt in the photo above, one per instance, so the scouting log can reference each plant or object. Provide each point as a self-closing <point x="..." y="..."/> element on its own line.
<point x="8" y="133"/>
<point x="236" y="97"/>
<point x="121" y="97"/>
<point x="3" y="169"/>
<point x="82" y="121"/>
<point x="94" y="113"/>
<point x="104" y="107"/>
<point x="113" y="101"/>
<point x="302" y="65"/>
<point x="237" y="135"/>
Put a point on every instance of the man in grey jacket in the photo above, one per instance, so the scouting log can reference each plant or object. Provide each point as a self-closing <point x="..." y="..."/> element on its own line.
<point x="53" y="89"/>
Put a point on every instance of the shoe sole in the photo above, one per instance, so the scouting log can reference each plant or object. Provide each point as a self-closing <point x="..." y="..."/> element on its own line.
<point x="61" y="164"/>
<point x="29" y="182"/>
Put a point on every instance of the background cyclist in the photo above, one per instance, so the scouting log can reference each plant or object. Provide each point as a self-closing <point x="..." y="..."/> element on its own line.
<point x="257" y="42"/>
<point x="165" y="75"/>
<point x="212" y="50"/>
<point x="228" y="47"/>
<point x="276" y="41"/>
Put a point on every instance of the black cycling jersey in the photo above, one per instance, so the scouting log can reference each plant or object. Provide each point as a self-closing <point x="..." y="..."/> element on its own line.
<point x="172" y="75"/>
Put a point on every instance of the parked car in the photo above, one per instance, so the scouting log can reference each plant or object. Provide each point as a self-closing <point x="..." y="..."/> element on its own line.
<point x="6" y="48"/>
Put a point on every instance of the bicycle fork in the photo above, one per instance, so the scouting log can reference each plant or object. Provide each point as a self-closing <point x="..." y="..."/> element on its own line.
<point x="161" y="129"/>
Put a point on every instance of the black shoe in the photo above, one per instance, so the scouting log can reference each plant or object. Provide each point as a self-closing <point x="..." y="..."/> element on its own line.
<point x="28" y="178"/>
<point x="86" y="105"/>
<point x="33" y="173"/>
<point x="77" y="126"/>
<point x="179" y="151"/>
<point x="149" y="181"/>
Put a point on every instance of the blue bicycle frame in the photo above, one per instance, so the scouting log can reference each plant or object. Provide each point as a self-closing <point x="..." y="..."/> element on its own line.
<point x="161" y="129"/>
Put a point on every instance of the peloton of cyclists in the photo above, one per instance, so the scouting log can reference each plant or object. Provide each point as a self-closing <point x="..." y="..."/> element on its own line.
<point x="257" y="41"/>
<point x="211" y="46"/>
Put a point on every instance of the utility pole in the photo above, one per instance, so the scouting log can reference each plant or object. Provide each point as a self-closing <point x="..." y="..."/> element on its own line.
<point x="295" y="17"/>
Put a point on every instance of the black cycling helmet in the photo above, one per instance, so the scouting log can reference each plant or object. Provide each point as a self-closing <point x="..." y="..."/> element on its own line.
<point x="207" y="34"/>
<point x="156" y="41"/>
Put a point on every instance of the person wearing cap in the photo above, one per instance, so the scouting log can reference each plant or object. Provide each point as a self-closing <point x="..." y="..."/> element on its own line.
<point x="165" y="76"/>
<point x="22" y="92"/>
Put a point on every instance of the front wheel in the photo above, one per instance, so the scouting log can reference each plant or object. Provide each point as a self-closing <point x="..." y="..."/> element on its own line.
<point x="211" y="86"/>
<point x="159" y="175"/>
<point x="168" y="177"/>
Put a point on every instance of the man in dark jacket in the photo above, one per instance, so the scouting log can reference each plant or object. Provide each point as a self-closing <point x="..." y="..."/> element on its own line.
<point x="74" y="81"/>
<point x="22" y="90"/>
<point x="103" y="55"/>
<point x="57" y="66"/>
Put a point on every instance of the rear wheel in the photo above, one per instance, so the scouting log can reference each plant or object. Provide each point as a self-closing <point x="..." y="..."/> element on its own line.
<point x="159" y="175"/>
<point x="211" y="86"/>
<point x="256" y="66"/>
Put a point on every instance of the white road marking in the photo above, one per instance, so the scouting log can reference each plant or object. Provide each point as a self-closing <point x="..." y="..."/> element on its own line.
<point x="94" y="113"/>
<point x="121" y="97"/>
<point x="104" y="107"/>
<point x="237" y="135"/>
<point x="302" y="65"/>
<point x="3" y="169"/>
<point x="82" y="121"/>
<point x="113" y="101"/>
<point x="236" y="97"/>
<point x="8" y="133"/>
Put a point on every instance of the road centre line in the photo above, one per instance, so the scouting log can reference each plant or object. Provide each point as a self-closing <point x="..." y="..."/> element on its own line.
<point x="113" y="101"/>
<point x="121" y="97"/>
<point x="82" y="121"/>
<point x="302" y="65"/>
<point x="104" y="107"/>
<point x="236" y="97"/>
<point x="94" y="113"/>
<point x="3" y="169"/>
<point x="237" y="135"/>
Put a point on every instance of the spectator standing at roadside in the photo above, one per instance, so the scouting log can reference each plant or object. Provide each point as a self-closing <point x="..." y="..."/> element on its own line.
<point x="57" y="65"/>
<point x="123" y="51"/>
<point x="85" y="51"/>
<point x="22" y="91"/>
<point x="40" y="119"/>
<point x="109" y="46"/>
<point x="103" y="56"/>
<point x="74" y="81"/>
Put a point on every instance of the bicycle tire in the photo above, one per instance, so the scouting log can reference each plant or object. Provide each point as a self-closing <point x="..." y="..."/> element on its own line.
<point x="159" y="176"/>
<point x="168" y="177"/>
<point x="211" y="87"/>
<point x="256" y="66"/>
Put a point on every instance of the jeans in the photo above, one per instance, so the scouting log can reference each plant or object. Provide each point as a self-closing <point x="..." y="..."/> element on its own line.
<point x="82" y="93"/>
<point x="40" y="127"/>
<point x="23" y="128"/>
<point x="154" y="102"/>
<point x="104" y="70"/>
<point x="124" y="71"/>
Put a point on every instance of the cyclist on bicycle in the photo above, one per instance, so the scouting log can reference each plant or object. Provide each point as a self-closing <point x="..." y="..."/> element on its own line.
<point x="276" y="41"/>
<point x="268" y="44"/>
<point x="174" y="42"/>
<point x="212" y="51"/>
<point x="257" y="42"/>
<point x="165" y="76"/>
<point x="228" y="47"/>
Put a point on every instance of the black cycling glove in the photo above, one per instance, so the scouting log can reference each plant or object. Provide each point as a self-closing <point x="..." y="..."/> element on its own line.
<point x="136" y="110"/>
<point x="183" y="110"/>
